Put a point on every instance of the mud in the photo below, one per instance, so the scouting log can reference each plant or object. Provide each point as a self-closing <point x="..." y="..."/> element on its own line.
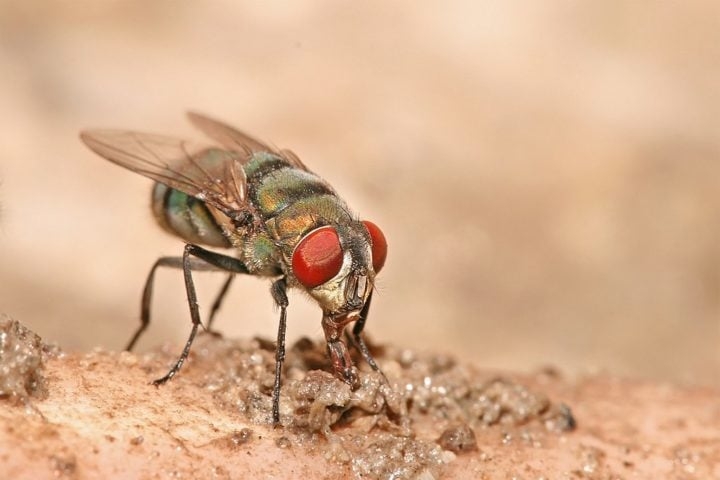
<point x="375" y="428"/>
<point x="22" y="369"/>
<point x="434" y="417"/>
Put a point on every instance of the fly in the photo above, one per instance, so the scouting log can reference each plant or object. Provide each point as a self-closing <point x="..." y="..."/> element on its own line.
<point x="283" y="221"/>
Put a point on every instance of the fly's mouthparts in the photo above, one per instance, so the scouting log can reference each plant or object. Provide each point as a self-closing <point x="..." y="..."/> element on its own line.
<point x="342" y="318"/>
<point x="355" y="290"/>
<point x="362" y="284"/>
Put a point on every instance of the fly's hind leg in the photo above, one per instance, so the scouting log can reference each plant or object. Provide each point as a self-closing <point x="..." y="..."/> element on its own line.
<point x="194" y="258"/>
<point x="197" y="265"/>
<point x="172" y="262"/>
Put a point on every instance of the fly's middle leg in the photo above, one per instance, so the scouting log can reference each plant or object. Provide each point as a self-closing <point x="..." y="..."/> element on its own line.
<point x="218" y="303"/>
<point x="279" y="294"/>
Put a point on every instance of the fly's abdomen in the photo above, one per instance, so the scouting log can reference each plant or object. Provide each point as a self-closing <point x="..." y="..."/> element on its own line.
<point x="187" y="217"/>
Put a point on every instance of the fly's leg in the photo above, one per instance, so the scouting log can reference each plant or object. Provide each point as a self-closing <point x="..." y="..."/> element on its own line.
<point x="213" y="261"/>
<point x="218" y="303"/>
<point x="357" y="337"/>
<point x="342" y="364"/>
<point x="172" y="262"/>
<point x="196" y="264"/>
<point x="279" y="294"/>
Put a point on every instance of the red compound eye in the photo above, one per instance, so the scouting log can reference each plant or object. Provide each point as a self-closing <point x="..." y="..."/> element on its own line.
<point x="379" y="245"/>
<point x="318" y="257"/>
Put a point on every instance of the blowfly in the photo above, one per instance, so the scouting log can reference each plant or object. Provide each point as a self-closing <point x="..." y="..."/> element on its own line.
<point x="283" y="221"/>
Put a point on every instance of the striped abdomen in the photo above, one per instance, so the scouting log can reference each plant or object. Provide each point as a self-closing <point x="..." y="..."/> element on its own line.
<point x="187" y="217"/>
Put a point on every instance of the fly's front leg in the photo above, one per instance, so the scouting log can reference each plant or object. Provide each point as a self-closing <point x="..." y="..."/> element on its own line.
<point x="357" y="337"/>
<point x="338" y="352"/>
<point x="212" y="261"/>
<point x="279" y="294"/>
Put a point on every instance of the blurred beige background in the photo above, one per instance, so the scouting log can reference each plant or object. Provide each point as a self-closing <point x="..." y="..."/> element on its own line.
<point x="547" y="174"/>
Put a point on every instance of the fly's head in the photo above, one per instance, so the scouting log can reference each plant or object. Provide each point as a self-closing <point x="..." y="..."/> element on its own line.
<point x="337" y="265"/>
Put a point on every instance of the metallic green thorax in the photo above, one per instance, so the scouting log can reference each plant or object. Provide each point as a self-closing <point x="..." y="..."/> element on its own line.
<point x="286" y="203"/>
<point x="290" y="203"/>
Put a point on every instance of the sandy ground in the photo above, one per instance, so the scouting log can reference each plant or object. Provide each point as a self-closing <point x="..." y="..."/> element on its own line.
<point x="87" y="416"/>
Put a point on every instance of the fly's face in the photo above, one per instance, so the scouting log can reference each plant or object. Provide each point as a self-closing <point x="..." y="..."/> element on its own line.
<point x="337" y="266"/>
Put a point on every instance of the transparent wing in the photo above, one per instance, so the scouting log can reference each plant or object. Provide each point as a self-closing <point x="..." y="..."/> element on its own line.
<point x="238" y="141"/>
<point x="210" y="174"/>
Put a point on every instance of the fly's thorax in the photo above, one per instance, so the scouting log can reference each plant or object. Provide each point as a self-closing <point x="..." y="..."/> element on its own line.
<point x="303" y="216"/>
<point x="293" y="204"/>
<point x="289" y="202"/>
<point x="274" y="184"/>
<point x="261" y="163"/>
<point x="187" y="217"/>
